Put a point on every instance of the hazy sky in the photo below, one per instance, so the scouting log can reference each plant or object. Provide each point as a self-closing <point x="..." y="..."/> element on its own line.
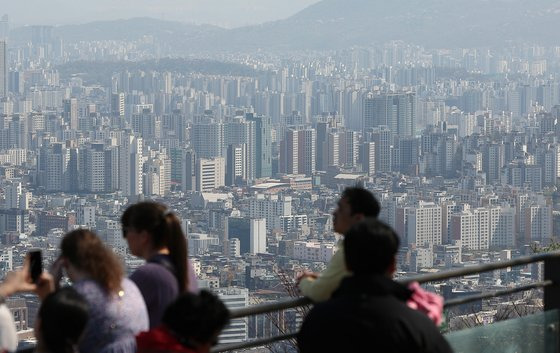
<point x="226" y="13"/>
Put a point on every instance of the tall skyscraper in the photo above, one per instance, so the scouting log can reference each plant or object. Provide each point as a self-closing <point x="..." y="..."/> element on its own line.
<point x="493" y="161"/>
<point x="117" y="104"/>
<point x="263" y="145"/>
<point x="188" y="181"/>
<point x="4" y="28"/>
<point x="289" y="153"/>
<point x="257" y="236"/>
<point x="94" y="168"/>
<point x="367" y="156"/>
<point x="236" y="164"/>
<point x="382" y="137"/>
<point x="242" y="131"/>
<point x="131" y="165"/>
<point x="207" y="138"/>
<point x="3" y="69"/>
<point x="321" y="148"/>
<point x="306" y="151"/>
<point x="71" y="112"/>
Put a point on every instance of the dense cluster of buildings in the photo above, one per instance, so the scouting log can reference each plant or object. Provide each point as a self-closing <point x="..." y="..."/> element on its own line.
<point x="461" y="147"/>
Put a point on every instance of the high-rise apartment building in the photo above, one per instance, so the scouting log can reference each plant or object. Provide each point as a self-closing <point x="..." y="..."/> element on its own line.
<point x="484" y="227"/>
<point x="397" y="111"/>
<point x="263" y="145"/>
<point x="157" y="176"/>
<point x="3" y="68"/>
<point x="207" y="138"/>
<point x="420" y="224"/>
<point x="236" y="164"/>
<point x="321" y="148"/>
<point x="257" y="236"/>
<point x="306" y="151"/>
<point x="367" y="158"/>
<point x="53" y="167"/>
<point x="333" y="148"/>
<point x="382" y="137"/>
<point x="210" y="173"/>
<point x="4" y="27"/>
<point x="270" y="207"/>
<point x="131" y="165"/>
<point x="94" y="167"/>
<point x="493" y="159"/>
<point x="71" y="112"/>
<point x="117" y="104"/>
<point x="289" y="149"/>
<point x="234" y="298"/>
<point x="297" y="151"/>
<point x="349" y="149"/>
<point x="241" y="131"/>
<point x="188" y="180"/>
<point x="16" y="197"/>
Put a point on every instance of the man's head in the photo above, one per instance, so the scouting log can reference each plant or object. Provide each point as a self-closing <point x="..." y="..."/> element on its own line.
<point x="370" y="247"/>
<point x="354" y="205"/>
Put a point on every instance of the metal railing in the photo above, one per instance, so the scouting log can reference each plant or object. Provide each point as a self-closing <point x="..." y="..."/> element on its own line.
<point x="551" y="285"/>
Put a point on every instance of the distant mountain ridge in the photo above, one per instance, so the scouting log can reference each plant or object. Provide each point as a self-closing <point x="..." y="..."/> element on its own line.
<point x="332" y="24"/>
<point x="129" y="29"/>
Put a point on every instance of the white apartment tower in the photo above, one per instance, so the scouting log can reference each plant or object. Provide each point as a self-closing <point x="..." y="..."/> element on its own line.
<point x="131" y="165"/>
<point x="484" y="227"/>
<point x="257" y="236"/>
<point x="234" y="298"/>
<point x="422" y="224"/>
<point x="210" y="174"/>
<point x="157" y="180"/>
<point x="16" y="197"/>
<point x="270" y="207"/>
<point x="3" y="69"/>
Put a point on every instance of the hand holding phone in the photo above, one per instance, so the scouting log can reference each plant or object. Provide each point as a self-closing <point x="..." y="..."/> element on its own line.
<point x="35" y="265"/>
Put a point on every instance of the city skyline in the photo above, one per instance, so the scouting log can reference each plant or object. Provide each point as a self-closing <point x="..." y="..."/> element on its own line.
<point x="250" y="135"/>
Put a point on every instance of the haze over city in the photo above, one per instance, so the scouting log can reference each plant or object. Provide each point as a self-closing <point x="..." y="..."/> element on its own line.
<point x="224" y="13"/>
<point x="248" y="120"/>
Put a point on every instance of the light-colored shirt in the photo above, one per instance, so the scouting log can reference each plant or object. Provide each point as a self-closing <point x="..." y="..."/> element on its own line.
<point x="8" y="334"/>
<point x="321" y="288"/>
<point x="114" y="319"/>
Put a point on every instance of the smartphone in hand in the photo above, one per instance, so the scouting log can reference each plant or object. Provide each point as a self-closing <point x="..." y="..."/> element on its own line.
<point x="35" y="265"/>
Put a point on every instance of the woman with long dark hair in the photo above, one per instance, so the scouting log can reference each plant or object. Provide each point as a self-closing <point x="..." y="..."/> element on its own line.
<point x="154" y="233"/>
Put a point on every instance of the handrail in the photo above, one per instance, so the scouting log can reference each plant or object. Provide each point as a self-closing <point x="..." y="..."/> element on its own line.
<point x="496" y="293"/>
<point x="432" y="277"/>
<point x="470" y="270"/>
<point x="268" y="307"/>
<point x="424" y="278"/>
<point x="449" y="303"/>
<point x="255" y="343"/>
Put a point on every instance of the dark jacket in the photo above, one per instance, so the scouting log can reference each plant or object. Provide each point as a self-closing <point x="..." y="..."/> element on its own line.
<point x="369" y="314"/>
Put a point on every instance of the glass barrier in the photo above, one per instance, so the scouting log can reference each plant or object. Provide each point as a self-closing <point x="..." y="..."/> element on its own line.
<point x="535" y="334"/>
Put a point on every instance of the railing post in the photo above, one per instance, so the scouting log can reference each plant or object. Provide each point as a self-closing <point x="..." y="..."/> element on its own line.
<point x="552" y="292"/>
<point x="552" y="296"/>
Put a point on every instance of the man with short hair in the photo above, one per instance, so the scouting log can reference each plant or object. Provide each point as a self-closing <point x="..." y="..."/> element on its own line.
<point x="354" y="205"/>
<point x="368" y="312"/>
